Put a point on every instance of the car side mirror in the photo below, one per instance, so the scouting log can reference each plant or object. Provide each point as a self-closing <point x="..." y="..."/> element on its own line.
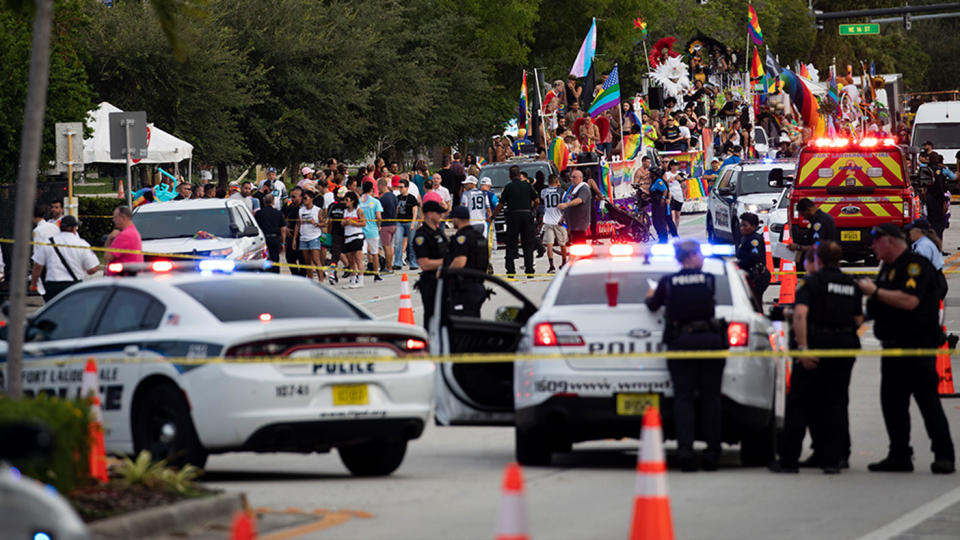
<point x="507" y="313"/>
<point x="724" y="191"/>
<point x="775" y="178"/>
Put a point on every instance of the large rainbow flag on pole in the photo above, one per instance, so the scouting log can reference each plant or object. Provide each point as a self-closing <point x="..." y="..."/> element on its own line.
<point x="522" y="109"/>
<point x="756" y="66"/>
<point x="609" y="96"/>
<point x="753" y="26"/>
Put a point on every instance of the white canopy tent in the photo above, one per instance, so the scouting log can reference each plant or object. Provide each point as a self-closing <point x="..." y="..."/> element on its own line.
<point x="163" y="147"/>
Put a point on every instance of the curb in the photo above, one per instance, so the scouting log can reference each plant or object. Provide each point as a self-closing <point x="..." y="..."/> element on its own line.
<point x="166" y="519"/>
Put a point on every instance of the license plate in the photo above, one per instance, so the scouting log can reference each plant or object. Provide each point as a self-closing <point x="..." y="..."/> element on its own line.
<point x="350" y="394"/>
<point x="849" y="236"/>
<point x="636" y="404"/>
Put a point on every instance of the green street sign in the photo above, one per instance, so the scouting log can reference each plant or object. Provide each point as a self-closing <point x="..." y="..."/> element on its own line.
<point x="864" y="29"/>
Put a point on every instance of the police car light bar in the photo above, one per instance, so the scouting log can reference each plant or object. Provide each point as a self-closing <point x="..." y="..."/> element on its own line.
<point x="707" y="250"/>
<point x="205" y="266"/>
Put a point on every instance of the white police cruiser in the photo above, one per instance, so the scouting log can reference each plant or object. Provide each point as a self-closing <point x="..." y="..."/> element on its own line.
<point x="222" y="228"/>
<point x="183" y="412"/>
<point x="556" y="402"/>
<point x="743" y="187"/>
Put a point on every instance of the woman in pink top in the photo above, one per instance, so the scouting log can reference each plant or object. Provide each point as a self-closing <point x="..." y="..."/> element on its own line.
<point x="430" y="194"/>
<point x="125" y="236"/>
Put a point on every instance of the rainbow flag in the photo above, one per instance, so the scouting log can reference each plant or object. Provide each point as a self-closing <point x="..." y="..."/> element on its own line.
<point x="481" y="162"/>
<point x="609" y="96"/>
<point x="694" y="188"/>
<point x="641" y="25"/>
<point x="606" y="184"/>
<point x="753" y="26"/>
<point x="632" y="145"/>
<point x="522" y="109"/>
<point x="756" y="66"/>
<point x="643" y="105"/>
<point x="558" y="153"/>
<point x="804" y="72"/>
<point x="802" y="97"/>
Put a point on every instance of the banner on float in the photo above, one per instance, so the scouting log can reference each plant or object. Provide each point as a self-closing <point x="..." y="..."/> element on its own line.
<point x="692" y="165"/>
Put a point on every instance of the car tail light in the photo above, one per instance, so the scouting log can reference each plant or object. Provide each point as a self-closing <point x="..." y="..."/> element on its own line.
<point x="556" y="335"/>
<point x="738" y="334"/>
<point x="415" y="344"/>
<point x="581" y="250"/>
<point x="161" y="266"/>
<point x="265" y="317"/>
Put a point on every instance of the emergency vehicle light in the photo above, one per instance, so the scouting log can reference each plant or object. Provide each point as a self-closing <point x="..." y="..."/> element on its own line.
<point x="738" y="334"/>
<point x="115" y="268"/>
<point x="161" y="266"/>
<point x="217" y="265"/>
<point x="581" y="250"/>
<point x="621" y="250"/>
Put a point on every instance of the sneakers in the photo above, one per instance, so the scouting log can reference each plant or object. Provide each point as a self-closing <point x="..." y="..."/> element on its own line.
<point x="943" y="466"/>
<point x="376" y="277"/>
<point x="688" y="463"/>
<point x="551" y="270"/>
<point x="332" y="278"/>
<point x="777" y="467"/>
<point x="890" y="464"/>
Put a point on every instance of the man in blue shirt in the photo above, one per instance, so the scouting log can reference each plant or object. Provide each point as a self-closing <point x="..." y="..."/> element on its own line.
<point x="734" y="157"/>
<point x="710" y="175"/>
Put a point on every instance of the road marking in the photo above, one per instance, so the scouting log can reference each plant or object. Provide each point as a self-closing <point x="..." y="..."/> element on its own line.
<point x="916" y="516"/>
<point x="327" y="519"/>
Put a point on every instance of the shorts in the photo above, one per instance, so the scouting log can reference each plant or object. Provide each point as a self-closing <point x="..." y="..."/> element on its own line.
<point x="554" y="234"/>
<point x="353" y="245"/>
<point x="372" y="244"/>
<point x="676" y="205"/>
<point x="315" y="243"/>
<point x="386" y="234"/>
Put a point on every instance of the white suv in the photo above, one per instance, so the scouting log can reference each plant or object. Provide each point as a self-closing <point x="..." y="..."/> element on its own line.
<point x="220" y="228"/>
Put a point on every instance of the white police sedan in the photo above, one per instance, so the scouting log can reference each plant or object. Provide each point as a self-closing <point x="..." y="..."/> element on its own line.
<point x="184" y="411"/>
<point x="577" y="397"/>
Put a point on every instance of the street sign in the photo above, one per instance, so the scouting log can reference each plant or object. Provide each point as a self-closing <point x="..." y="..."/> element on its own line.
<point x="75" y="129"/>
<point x="137" y="123"/>
<point x="862" y="29"/>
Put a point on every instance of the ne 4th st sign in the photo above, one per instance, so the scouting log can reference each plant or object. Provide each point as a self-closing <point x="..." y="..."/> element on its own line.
<point x="864" y="29"/>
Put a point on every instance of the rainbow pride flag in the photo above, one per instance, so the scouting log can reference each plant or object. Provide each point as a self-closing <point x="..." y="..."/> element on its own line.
<point x="481" y="162"/>
<point x="606" y="183"/>
<point x="753" y="26"/>
<point x="632" y="145"/>
<point x="558" y="153"/>
<point x="756" y="66"/>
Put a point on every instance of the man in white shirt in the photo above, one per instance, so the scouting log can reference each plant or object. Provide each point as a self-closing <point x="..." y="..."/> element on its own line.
<point x="42" y="231"/>
<point x="443" y="191"/>
<point x="477" y="203"/>
<point x="65" y="266"/>
<point x="553" y="232"/>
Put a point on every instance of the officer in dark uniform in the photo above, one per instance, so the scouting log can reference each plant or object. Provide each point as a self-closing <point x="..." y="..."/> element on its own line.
<point x="430" y="247"/>
<point x="822" y="227"/>
<point x="689" y="299"/>
<point x="291" y="213"/>
<point x="521" y="201"/>
<point x="274" y="227"/>
<point x="904" y="303"/>
<point x="827" y="313"/>
<point x="752" y="255"/>
<point x="468" y="249"/>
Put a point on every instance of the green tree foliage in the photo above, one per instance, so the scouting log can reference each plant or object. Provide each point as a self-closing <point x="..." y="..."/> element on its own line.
<point x="68" y="98"/>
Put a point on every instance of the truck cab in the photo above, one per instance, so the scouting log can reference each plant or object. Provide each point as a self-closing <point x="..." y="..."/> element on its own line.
<point x="859" y="183"/>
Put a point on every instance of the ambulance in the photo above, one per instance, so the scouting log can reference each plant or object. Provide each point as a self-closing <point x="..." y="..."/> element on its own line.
<point x="859" y="183"/>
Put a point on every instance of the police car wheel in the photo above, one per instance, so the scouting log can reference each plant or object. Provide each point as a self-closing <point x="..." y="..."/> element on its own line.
<point x="376" y="458"/>
<point x="533" y="448"/>
<point x="757" y="447"/>
<point x="162" y="426"/>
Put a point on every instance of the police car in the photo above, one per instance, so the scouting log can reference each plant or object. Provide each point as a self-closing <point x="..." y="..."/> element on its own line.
<point x="183" y="411"/>
<point x="203" y="227"/>
<point x="743" y="187"/>
<point x="554" y="403"/>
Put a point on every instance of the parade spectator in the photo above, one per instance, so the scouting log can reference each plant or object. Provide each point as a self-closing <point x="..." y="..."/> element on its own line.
<point x="246" y="191"/>
<point x="407" y="214"/>
<point x="184" y="192"/>
<point x="419" y="174"/>
<point x="64" y="266"/>
<point x="674" y="178"/>
<point x="572" y="92"/>
<point x="671" y="139"/>
<point x="710" y="175"/>
<point x="430" y="194"/>
<point x="308" y="234"/>
<point x="210" y="191"/>
<point x="372" y="210"/>
<point x="124" y="236"/>
<point x="641" y="177"/>
<point x="354" y="222"/>
<point x="335" y="228"/>
<point x="449" y="177"/>
<point x="291" y="215"/>
<point x="457" y="166"/>
<point x="274" y="227"/>
<point x="577" y="208"/>
<point x="277" y="187"/>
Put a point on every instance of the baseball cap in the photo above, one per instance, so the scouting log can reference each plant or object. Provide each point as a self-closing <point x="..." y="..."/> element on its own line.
<point x="395" y="181"/>
<point x="486" y="181"/>
<point x="459" y="212"/>
<point x="715" y="160"/>
<point x="673" y="162"/>
<point x="234" y="186"/>
<point x="306" y="170"/>
<point x="271" y="169"/>
<point x="432" y="206"/>
<point x="69" y="222"/>
<point x="919" y="223"/>
<point x="470" y="180"/>
<point x="342" y="192"/>
<point x="886" y="229"/>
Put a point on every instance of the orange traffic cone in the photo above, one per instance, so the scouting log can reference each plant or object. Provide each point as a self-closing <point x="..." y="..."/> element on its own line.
<point x="120" y="193"/>
<point x="944" y="367"/>
<point x="406" y="304"/>
<point x="651" y="504"/>
<point x="766" y="246"/>
<point x="243" y="527"/>
<point x="788" y="282"/>
<point x="512" y="514"/>
<point x="90" y="387"/>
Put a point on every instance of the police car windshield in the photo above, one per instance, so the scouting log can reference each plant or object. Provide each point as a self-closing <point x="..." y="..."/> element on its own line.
<point x="755" y="182"/>
<point x="235" y="300"/>
<point x="183" y="223"/>
<point x="943" y="136"/>
<point x="500" y="174"/>
<point x="587" y="289"/>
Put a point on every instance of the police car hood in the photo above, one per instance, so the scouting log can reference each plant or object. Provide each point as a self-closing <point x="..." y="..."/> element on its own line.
<point x="763" y="200"/>
<point x="187" y="245"/>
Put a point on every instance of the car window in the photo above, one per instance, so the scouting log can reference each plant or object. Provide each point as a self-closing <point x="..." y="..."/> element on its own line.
<point x="725" y="179"/>
<point x="232" y="300"/>
<point x="500" y="175"/>
<point x="784" y="200"/>
<point x="756" y="182"/>
<point x="586" y="289"/>
<point x="68" y="316"/>
<point x="944" y="136"/>
<point x="183" y="223"/>
<point x="127" y="311"/>
<point x="247" y="220"/>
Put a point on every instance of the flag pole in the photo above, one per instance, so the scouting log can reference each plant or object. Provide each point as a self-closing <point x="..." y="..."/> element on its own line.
<point x="623" y="148"/>
<point x="543" y="129"/>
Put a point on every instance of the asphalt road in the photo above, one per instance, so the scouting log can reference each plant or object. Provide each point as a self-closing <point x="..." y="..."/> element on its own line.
<point x="449" y="485"/>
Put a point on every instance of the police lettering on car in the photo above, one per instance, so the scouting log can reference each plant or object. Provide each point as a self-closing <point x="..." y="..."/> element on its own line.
<point x="430" y="247"/>
<point x="752" y="255"/>
<point x="688" y="296"/>
<point x="468" y="249"/>
<point x="904" y="303"/>
<point x="827" y="313"/>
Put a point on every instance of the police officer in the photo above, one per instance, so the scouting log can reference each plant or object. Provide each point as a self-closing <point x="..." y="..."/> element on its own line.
<point x="689" y="299"/>
<point x="904" y="302"/>
<point x="821" y="227"/>
<point x="274" y="227"/>
<point x="430" y="247"/>
<point x="468" y="249"/>
<point x="752" y="255"/>
<point x="521" y="201"/>
<point x="827" y="313"/>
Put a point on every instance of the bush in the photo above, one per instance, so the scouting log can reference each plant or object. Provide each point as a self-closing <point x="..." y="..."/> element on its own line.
<point x="68" y="465"/>
<point x="95" y="223"/>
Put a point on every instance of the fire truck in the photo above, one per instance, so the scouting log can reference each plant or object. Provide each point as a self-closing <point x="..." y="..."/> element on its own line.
<point x="859" y="183"/>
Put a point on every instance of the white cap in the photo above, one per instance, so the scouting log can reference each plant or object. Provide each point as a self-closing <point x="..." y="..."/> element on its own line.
<point x="486" y="181"/>
<point x="784" y="138"/>
<point x="306" y="170"/>
<point x="470" y="180"/>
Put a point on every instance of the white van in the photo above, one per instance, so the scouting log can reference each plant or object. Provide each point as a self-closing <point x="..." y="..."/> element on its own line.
<point x="939" y="123"/>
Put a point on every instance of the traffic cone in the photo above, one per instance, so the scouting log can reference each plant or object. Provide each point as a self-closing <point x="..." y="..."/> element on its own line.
<point x="406" y="304"/>
<point x="120" y="193"/>
<point x="766" y="246"/>
<point x="243" y="527"/>
<point x="90" y="387"/>
<point x="651" y="504"/>
<point x="512" y="514"/>
<point x="944" y="367"/>
<point x="788" y="282"/>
